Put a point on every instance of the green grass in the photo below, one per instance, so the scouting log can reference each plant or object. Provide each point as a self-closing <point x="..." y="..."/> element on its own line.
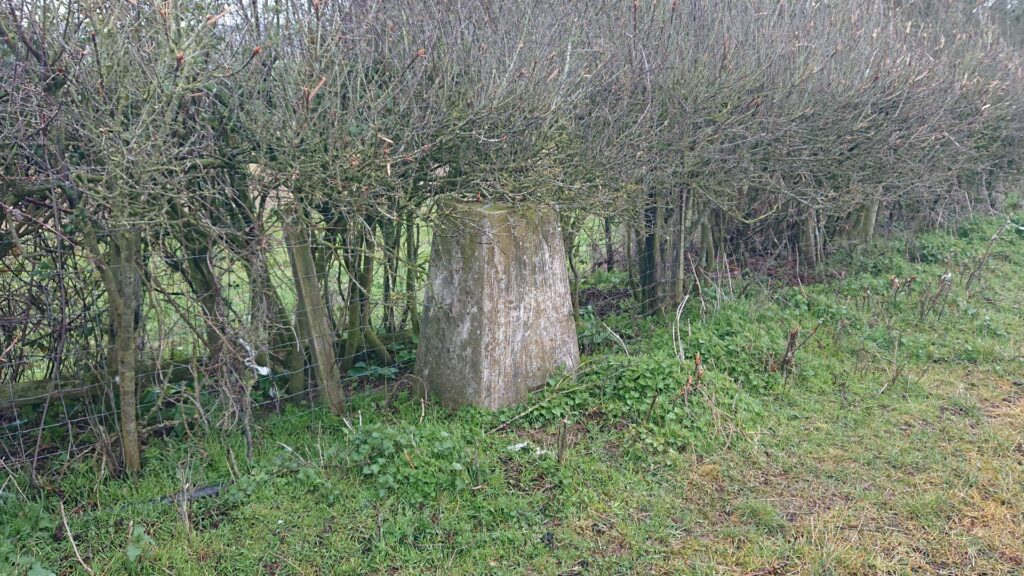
<point x="895" y="446"/>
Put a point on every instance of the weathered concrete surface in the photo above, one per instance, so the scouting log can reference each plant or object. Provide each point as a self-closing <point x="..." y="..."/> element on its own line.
<point x="497" y="313"/>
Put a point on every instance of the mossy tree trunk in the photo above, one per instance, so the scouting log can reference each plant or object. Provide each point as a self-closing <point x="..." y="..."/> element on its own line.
<point x="570" y="234"/>
<point x="126" y="310"/>
<point x="609" y="246"/>
<point x="648" y="256"/>
<point x="196" y="267"/>
<point x="207" y="290"/>
<point x="359" y="334"/>
<point x="121" y="271"/>
<point x="284" y="349"/>
<point x="412" y="251"/>
<point x="863" y="229"/>
<point x="663" y="250"/>
<point x="368" y="336"/>
<point x="312" y="310"/>
<point x="392" y="233"/>
<point x="812" y="247"/>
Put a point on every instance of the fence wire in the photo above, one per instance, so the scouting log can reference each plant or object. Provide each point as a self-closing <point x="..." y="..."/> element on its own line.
<point x="236" y="349"/>
<point x="205" y="352"/>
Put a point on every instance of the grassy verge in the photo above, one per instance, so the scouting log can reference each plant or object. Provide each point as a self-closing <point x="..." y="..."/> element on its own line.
<point x="893" y="442"/>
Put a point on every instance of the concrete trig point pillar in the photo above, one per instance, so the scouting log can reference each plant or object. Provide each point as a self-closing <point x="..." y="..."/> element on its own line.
<point x="497" y="318"/>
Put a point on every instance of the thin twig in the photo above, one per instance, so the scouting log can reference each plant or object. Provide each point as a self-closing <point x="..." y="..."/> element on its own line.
<point x="71" y="538"/>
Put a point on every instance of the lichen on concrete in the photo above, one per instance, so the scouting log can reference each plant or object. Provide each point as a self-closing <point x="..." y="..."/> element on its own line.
<point x="497" y="314"/>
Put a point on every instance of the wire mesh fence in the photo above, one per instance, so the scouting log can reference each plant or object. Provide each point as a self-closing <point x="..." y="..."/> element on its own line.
<point x="206" y="354"/>
<point x="221" y="337"/>
<point x="206" y="210"/>
<point x="225" y="354"/>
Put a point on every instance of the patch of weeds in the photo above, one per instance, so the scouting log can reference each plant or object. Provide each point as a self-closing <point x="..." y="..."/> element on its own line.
<point x="669" y="407"/>
<point x="935" y="249"/>
<point x="419" y="460"/>
<point x="247" y="485"/>
<point x="22" y="524"/>
<point x="141" y="545"/>
<point x="761" y="515"/>
<point x="931" y="510"/>
<point x="423" y="460"/>
<point x="591" y="332"/>
<point x="963" y="408"/>
<point x="641" y="462"/>
<point x="372" y="372"/>
<point x="531" y="469"/>
<point x="404" y="352"/>
<point x="606" y="280"/>
<point x="735" y="342"/>
<point x="875" y="259"/>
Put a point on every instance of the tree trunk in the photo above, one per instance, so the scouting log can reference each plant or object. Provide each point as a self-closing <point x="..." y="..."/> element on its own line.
<point x="676" y="263"/>
<point x="661" y="260"/>
<point x="412" y="249"/>
<point x="707" y="243"/>
<point x="198" y="271"/>
<point x="207" y="291"/>
<point x="864" y="228"/>
<point x="320" y="336"/>
<point x="811" y="245"/>
<point x="609" y="247"/>
<point x="569" y="236"/>
<point x="392" y="252"/>
<point x="648" y="257"/>
<point x="122" y="278"/>
<point x="148" y="375"/>
<point x="270" y="315"/>
<point x="631" y="239"/>
<point x="366" y="331"/>
<point x="297" y="355"/>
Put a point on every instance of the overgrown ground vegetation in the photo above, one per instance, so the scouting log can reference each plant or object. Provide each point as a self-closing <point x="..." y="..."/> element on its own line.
<point x="892" y="442"/>
<point x="794" y="281"/>
<point x="196" y="193"/>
